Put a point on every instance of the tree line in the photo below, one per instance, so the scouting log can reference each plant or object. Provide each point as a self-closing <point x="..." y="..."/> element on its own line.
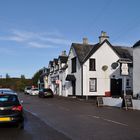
<point x="19" y="84"/>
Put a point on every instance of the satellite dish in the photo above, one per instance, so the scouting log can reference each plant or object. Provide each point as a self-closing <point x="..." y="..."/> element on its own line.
<point x="114" y="65"/>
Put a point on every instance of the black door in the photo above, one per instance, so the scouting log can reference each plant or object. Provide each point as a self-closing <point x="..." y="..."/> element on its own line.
<point x="116" y="87"/>
<point x="73" y="88"/>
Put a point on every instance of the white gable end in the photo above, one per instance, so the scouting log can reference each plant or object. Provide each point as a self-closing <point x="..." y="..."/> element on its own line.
<point x="103" y="56"/>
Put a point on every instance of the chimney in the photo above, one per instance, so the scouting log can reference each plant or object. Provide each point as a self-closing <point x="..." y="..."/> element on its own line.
<point x="103" y="37"/>
<point x="63" y="53"/>
<point x="85" y="41"/>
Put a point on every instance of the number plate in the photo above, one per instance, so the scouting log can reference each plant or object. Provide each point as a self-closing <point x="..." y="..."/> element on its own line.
<point x="5" y="119"/>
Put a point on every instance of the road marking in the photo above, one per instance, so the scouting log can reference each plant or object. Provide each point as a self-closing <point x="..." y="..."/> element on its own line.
<point x="35" y="114"/>
<point x="97" y="117"/>
<point x="115" y="122"/>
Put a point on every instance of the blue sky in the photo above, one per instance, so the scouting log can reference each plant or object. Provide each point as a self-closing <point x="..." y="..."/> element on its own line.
<point x="33" y="32"/>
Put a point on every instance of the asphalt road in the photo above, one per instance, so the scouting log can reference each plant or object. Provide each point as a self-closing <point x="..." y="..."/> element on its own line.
<point x="61" y="119"/>
<point x="35" y="129"/>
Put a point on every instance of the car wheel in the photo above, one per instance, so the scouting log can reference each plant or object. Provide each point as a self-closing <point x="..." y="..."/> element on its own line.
<point x="21" y="126"/>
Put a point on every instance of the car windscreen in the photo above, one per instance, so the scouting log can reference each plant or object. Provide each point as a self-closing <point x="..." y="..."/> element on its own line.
<point x="47" y="90"/>
<point x="8" y="100"/>
<point x="35" y="89"/>
<point x="28" y="88"/>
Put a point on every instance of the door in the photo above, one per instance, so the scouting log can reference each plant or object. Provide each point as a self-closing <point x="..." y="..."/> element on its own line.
<point x="116" y="87"/>
<point x="73" y="88"/>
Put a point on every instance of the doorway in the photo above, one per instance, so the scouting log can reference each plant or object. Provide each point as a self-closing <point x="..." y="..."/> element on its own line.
<point x="116" y="87"/>
<point x="73" y="88"/>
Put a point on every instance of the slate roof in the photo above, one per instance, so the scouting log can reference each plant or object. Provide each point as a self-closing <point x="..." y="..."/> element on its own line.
<point x="51" y="63"/>
<point x="136" y="44"/>
<point x="55" y="60"/>
<point x="84" y="51"/>
<point x="63" y="59"/>
<point x="124" y="52"/>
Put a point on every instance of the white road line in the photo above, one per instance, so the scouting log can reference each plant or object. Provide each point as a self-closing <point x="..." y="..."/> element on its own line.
<point x="97" y="117"/>
<point x="35" y="114"/>
<point x="115" y="122"/>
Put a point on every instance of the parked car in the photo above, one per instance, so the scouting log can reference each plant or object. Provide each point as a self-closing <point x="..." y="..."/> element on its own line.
<point x="46" y="92"/>
<point x="6" y="90"/>
<point x="27" y="89"/>
<point x="11" y="110"/>
<point x="34" y="91"/>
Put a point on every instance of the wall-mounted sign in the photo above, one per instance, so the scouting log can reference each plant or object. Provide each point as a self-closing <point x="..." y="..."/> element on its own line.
<point x="124" y="69"/>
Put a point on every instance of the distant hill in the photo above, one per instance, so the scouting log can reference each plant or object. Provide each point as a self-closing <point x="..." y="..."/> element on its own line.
<point x="17" y="84"/>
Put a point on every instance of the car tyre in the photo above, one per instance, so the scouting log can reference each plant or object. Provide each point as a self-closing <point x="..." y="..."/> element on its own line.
<point x="21" y="126"/>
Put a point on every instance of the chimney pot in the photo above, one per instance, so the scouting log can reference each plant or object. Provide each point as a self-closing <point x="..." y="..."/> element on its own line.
<point x="103" y="37"/>
<point x="64" y="53"/>
<point x="85" y="40"/>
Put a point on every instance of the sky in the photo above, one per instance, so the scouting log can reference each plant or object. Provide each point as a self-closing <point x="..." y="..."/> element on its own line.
<point x="33" y="32"/>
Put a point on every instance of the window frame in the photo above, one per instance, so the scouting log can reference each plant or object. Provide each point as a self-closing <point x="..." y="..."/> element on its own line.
<point x="93" y="89"/>
<point x="92" y="67"/>
<point x="73" y="65"/>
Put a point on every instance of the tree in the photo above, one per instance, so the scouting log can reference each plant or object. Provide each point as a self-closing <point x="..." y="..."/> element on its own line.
<point x="23" y="76"/>
<point x="36" y="77"/>
<point x="7" y="76"/>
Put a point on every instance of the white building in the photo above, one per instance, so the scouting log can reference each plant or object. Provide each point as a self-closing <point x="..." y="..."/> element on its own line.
<point x="94" y="70"/>
<point x="136" y="68"/>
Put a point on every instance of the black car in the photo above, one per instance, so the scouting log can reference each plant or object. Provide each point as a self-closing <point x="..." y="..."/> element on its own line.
<point x="46" y="92"/>
<point x="11" y="110"/>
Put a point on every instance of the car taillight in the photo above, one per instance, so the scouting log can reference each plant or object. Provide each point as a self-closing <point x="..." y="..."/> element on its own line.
<point x="17" y="108"/>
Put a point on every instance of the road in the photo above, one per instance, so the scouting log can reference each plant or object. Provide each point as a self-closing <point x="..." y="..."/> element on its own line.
<point x="62" y="119"/>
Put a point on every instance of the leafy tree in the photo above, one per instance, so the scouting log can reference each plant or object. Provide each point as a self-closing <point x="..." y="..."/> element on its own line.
<point x="7" y="76"/>
<point x="36" y="77"/>
<point x="22" y="76"/>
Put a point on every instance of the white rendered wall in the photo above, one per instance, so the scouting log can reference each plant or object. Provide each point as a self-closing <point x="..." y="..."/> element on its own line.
<point x="77" y="74"/>
<point x="136" y="71"/>
<point x="104" y="56"/>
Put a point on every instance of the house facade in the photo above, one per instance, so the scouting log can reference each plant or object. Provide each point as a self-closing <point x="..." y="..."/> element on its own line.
<point x="91" y="71"/>
<point x="136" y="69"/>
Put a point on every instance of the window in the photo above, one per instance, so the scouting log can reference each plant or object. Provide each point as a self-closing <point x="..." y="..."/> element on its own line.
<point x="127" y="83"/>
<point x="92" y="84"/>
<point x="92" y="64"/>
<point x="73" y="61"/>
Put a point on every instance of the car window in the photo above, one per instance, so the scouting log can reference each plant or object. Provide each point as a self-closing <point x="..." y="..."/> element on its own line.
<point x="35" y="89"/>
<point x="8" y="100"/>
<point x="47" y="90"/>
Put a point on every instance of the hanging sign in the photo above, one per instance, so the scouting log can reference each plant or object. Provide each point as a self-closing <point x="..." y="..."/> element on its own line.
<point x="124" y="69"/>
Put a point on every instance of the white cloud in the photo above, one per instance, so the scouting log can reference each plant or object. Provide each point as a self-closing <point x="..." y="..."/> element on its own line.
<point x="12" y="38"/>
<point x="36" y="39"/>
<point x="39" y="45"/>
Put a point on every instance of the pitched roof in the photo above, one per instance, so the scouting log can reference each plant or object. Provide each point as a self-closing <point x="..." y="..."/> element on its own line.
<point x="136" y="44"/>
<point x="55" y="60"/>
<point x="63" y="59"/>
<point x="84" y="51"/>
<point x="51" y="63"/>
<point x="124" y="52"/>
